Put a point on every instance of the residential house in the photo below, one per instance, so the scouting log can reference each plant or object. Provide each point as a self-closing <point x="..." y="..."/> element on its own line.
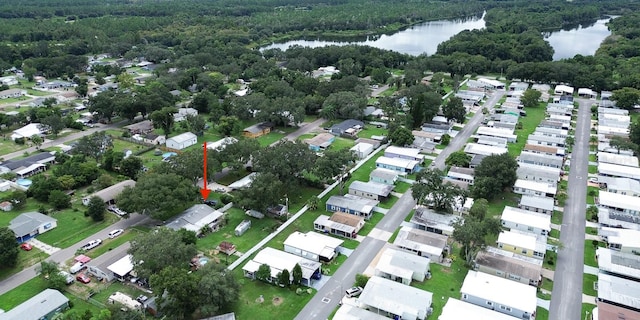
<point x="546" y="140"/>
<point x="362" y="150"/>
<point x="258" y="129"/>
<point x="425" y="145"/>
<point x="29" y="131"/>
<point x="562" y="89"/>
<point x="524" y="220"/>
<point x="619" y="203"/>
<point x="279" y="260"/>
<point x="395" y="300"/>
<point x="492" y="84"/>
<point x="56" y="84"/>
<point x="497" y="132"/>
<point x="155" y="139"/>
<point x="44" y="305"/>
<point x="539" y="159"/>
<point x="351" y="312"/>
<point x="431" y="221"/>
<point x="182" y="113"/>
<point x="618" y="292"/>
<point x="9" y="81"/>
<point x="370" y="190"/>
<point x="623" y="186"/>
<point x="481" y="149"/>
<point x="509" y="265"/>
<point x="622" y="240"/>
<point x="352" y="205"/>
<point x="618" y="159"/>
<point x="518" y="86"/>
<point x="537" y="204"/>
<point x="552" y="124"/>
<point x="491" y="141"/>
<point x="109" y="194"/>
<point x="199" y="219"/>
<point x="522" y="243"/>
<point x="349" y="127"/>
<point x="544" y="150"/>
<point x="438" y="127"/>
<point x="476" y="159"/>
<point x="397" y="164"/>
<point x="404" y="153"/>
<point x="122" y="268"/>
<point x="242" y="183"/>
<point x="461" y="174"/>
<point x="505" y="296"/>
<point x="340" y="224"/>
<point x="607" y="311"/>
<point x="219" y="145"/>
<point x="613" y="131"/>
<point x="587" y="93"/>
<point x="182" y="141"/>
<point x="320" y="142"/>
<point x="383" y="176"/>
<point x="422" y="243"/>
<point x="538" y="173"/>
<point x="30" y="224"/>
<point x="401" y="266"/>
<point x="28" y="166"/>
<point x="6" y="206"/>
<point x="534" y="188"/>
<point x="12" y="93"/>
<point x="559" y="109"/>
<point x="313" y="246"/>
<point x="455" y="309"/>
<point x="141" y="127"/>
<point x="551" y="132"/>
<point x="622" y="112"/>
<point x="619" y="264"/>
<point x="429" y="136"/>
<point x="565" y="120"/>
<point x="470" y="97"/>
<point x="374" y="143"/>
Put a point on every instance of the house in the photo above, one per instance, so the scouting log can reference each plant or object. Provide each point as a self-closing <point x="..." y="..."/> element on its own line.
<point x="422" y="243"/>
<point x="587" y="93"/>
<point x="121" y="268"/>
<point x="606" y="311"/>
<point x="552" y="132"/>
<point x="624" y="186"/>
<point x="509" y="265"/>
<point x="425" y="145"/>
<point x="539" y="159"/>
<point x="619" y="264"/>
<point x="559" y="109"/>
<point x="221" y="144"/>
<point x="28" y="131"/>
<point x="28" y="166"/>
<point x="481" y="149"/>
<point x="491" y="84"/>
<point x="538" y="173"/>
<point x="461" y="174"/>
<point x="30" y="224"/>
<point x="320" y="142"/>
<point x="476" y="159"/>
<point x="374" y="143"/>
<point x="622" y="240"/>
<point x="544" y="150"/>
<point x="470" y="97"/>
<point x="182" y="141"/>
<point x="401" y="266"/>
<point x="455" y="309"/>
<point x="497" y="132"/>
<point x="313" y="246"/>
<point x="524" y="220"/>
<point x="397" y="164"/>
<point x="182" y="113"/>
<point x="537" y="204"/>
<point x="491" y="141"/>
<point x="124" y="301"/>
<point x="431" y="221"/>
<point x="404" y="153"/>
<point x="618" y="159"/>
<point x="618" y="291"/>
<point x="429" y="136"/>
<point x="518" y="86"/>
<point x="499" y="294"/>
<point x="383" y="176"/>
<point x="56" y="84"/>
<point x="552" y="124"/>
<point x="6" y="206"/>
<point x="12" y="93"/>
<point x="562" y="89"/>
<point x="522" y="243"/>
<point x="351" y="312"/>
<point x="243" y="182"/>
<point x="258" y="129"/>
<point x="347" y="127"/>
<point x="109" y="194"/>
<point x="362" y="150"/>
<point x="155" y="139"/>
<point x="9" y="81"/>
<point x="44" y="305"/>
<point x="340" y="224"/>
<point x="279" y="260"/>
<point x="141" y="127"/>
<point x="613" y="131"/>
<point x="370" y="190"/>
<point x="395" y="300"/>
<point x="619" y="203"/>
<point x="546" y="140"/>
<point x="534" y="188"/>
<point x="352" y="205"/>
<point x="565" y="120"/>
<point x="615" y="170"/>
<point x="198" y="218"/>
<point x="621" y="112"/>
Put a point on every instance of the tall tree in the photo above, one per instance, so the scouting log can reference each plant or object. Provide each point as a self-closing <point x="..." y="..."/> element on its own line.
<point x="189" y="164"/>
<point x="236" y="155"/>
<point x="531" y="98"/>
<point x="229" y="125"/>
<point x="287" y="160"/>
<point x="454" y="110"/>
<point x="8" y="247"/>
<point x="626" y="98"/>
<point x="37" y="140"/>
<point x="51" y="274"/>
<point x="53" y="123"/>
<point x="332" y="163"/>
<point x="429" y="190"/>
<point x="181" y="288"/>
<point x="218" y="289"/>
<point x="94" y="145"/>
<point x="266" y="190"/>
<point x="296" y="273"/>
<point x="472" y="233"/>
<point x="343" y="105"/>
<point x="163" y="119"/>
<point x="621" y="143"/>
<point x="494" y="174"/>
<point x="131" y="167"/>
<point x="458" y="159"/>
<point x="96" y="208"/>
<point x="163" y="248"/>
<point x="401" y="137"/>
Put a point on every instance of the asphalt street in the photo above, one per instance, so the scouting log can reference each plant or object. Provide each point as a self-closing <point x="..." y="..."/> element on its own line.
<point x="566" y="298"/>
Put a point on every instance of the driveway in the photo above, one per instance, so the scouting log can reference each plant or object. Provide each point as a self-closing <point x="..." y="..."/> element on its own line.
<point x="566" y="299"/>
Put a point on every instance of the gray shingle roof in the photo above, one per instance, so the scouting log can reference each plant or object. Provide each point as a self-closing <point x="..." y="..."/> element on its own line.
<point x="28" y="222"/>
<point x="37" y="307"/>
<point x="376" y="188"/>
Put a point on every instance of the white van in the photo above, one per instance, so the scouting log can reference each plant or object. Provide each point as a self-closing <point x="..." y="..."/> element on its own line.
<point x="115" y="233"/>
<point x="76" y="267"/>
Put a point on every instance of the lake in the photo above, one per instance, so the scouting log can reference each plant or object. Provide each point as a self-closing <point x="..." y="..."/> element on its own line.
<point x="425" y="38"/>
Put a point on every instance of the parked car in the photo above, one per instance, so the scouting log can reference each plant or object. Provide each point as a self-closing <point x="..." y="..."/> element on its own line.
<point x="210" y="202"/>
<point x="67" y="277"/>
<point x="76" y="267"/>
<point x="92" y="244"/>
<point x="354" y="292"/>
<point x="83" y="278"/>
<point x="115" y="233"/>
<point x="26" y="246"/>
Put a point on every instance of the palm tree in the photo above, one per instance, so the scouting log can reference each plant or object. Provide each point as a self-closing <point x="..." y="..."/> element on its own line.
<point x="593" y="140"/>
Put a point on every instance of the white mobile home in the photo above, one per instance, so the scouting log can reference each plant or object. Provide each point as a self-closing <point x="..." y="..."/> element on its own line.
<point x="182" y="141"/>
<point x="391" y="298"/>
<point x="499" y="294"/>
<point x="280" y="260"/>
<point x="509" y="265"/>
<point x="539" y="159"/>
<point x="480" y="149"/>
<point x="404" y="153"/>
<point x="618" y="159"/>
<point x="538" y="173"/>
<point x="312" y="246"/>
<point x="624" y="186"/>
<point x="619" y="203"/>
<point x="534" y="188"/>
<point x="498" y="133"/>
<point x="537" y="204"/>
<point x="401" y="266"/>
<point x="455" y="309"/>
<point x="615" y="170"/>
<point x="618" y="291"/>
<point x="422" y="243"/>
<point x="520" y="219"/>
<point x="526" y="244"/>
<point x="619" y="264"/>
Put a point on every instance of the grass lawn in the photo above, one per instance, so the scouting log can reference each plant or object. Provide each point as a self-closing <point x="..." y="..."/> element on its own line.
<point x="268" y="139"/>
<point x="370" y="130"/>
<point x="25" y="260"/>
<point x="332" y="267"/>
<point x="554" y="233"/>
<point x="342" y="143"/>
<point x="496" y="206"/>
<point x="445" y="283"/>
<point x="440" y="146"/>
<point x="388" y="203"/>
<point x="350" y="243"/>
<point x="592" y="157"/>
<point x="402" y="187"/>
<point x="73" y="227"/>
<point x="587" y="309"/>
<point x="362" y="174"/>
<point x="426" y="162"/>
<point x="542" y="313"/>
<point x="591" y="230"/>
<point x="529" y="124"/>
<point x="588" y="281"/>
<point x="556" y="218"/>
<point x="590" y="253"/>
<point x="593" y="169"/>
<point x="22" y="293"/>
<point x="110" y="244"/>
<point x="547" y="284"/>
<point x="394" y="235"/>
<point x="410" y="215"/>
<point x="371" y="223"/>
<point x="591" y="193"/>
<point x="7" y="146"/>
<point x="550" y="256"/>
<point x="121" y="145"/>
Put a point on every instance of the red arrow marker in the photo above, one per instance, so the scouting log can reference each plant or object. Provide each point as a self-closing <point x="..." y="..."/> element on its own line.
<point x="204" y="191"/>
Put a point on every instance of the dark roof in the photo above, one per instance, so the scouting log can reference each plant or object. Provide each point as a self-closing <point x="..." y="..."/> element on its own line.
<point x="259" y="127"/>
<point x="347" y="124"/>
<point x="476" y="159"/>
<point x="510" y="265"/>
<point x="151" y="136"/>
<point x="32" y="159"/>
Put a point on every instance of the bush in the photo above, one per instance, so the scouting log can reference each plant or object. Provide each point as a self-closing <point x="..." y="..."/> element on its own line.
<point x="19" y="141"/>
<point x="226" y="198"/>
<point x="126" y="134"/>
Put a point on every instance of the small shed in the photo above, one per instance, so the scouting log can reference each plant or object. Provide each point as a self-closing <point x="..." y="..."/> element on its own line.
<point x="227" y="247"/>
<point x="362" y="150"/>
<point x="243" y="227"/>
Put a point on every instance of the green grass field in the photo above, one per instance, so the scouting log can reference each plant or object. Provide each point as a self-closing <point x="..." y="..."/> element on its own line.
<point x="371" y="223"/>
<point x="388" y="203"/>
<point x="590" y="253"/>
<point x="529" y="125"/>
<point x="402" y="187"/>
<point x="588" y="287"/>
<point x="25" y="259"/>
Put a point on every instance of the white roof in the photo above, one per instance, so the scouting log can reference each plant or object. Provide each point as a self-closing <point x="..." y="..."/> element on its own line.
<point x="455" y="309"/>
<point x="624" y="237"/>
<point x="411" y="152"/>
<point x="410" y="238"/>
<point x="564" y="89"/>
<point x="616" y="262"/>
<point x="492" y="82"/>
<point x="183" y="137"/>
<point x="397" y="162"/>
<point x="537" y="202"/>
<point x="586" y="91"/>
<point x="349" y="312"/>
<point x="401" y="263"/>
<point x="482" y="149"/>
<point x="618" y="170"/>
<point x="617" y="200"/>
<point x="536" y="186"/>
<point x="620" y="183"/>
<point x="528" y="218"/>
<point x="500" y="290"/>
<point x="29" y="169"/>
<point x="123" y="266"/>
<point x="362" y="147"/>
<point x="28" y="131"/>
<point x="313" y="242"/>
<point x="496" y="132"/>
<point x="397" y="298"/>
<point x="520" y="240"/>
<point x="243" y="182"/>
<point x="619" y="159"/>
<point x="619" y="290"/>
<point x="602" y="129"/>
<point x="280" y="260"/>
<point x="220" y="144"/>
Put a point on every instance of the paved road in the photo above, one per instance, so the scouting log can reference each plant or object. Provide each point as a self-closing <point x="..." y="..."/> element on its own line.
<point x="461" y="138"/>
<point x="70" y="252"/>
<point x="304" y="129"/>
<point x="566" y="299"/>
